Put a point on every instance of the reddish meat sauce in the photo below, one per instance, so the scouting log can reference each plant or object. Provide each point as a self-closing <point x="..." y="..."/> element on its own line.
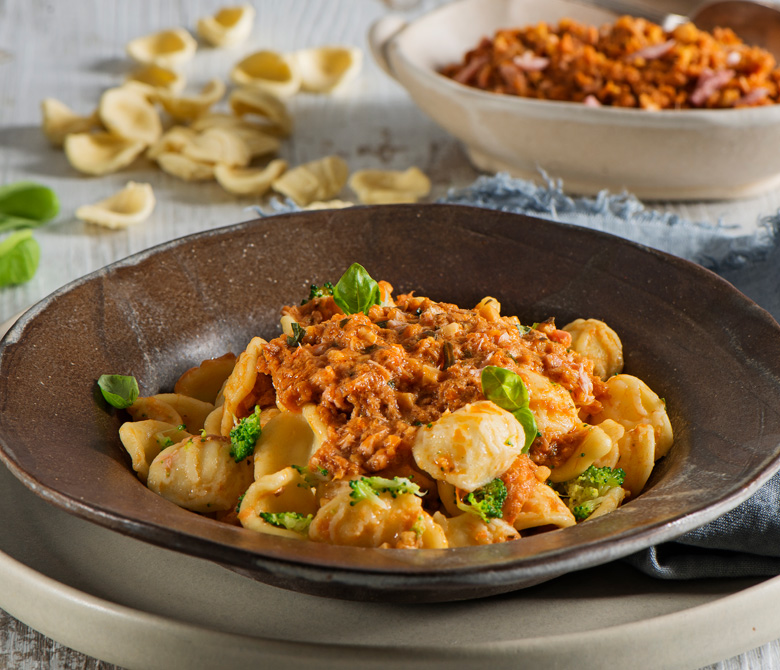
<point x="377" y="377"/>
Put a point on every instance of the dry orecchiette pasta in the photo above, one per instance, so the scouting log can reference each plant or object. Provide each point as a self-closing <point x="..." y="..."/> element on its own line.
<point x="133" y="204"/>
<point x="402" y="422"/>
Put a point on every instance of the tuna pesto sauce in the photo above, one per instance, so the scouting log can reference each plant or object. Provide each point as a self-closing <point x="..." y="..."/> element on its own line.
<point x="376" y="378"/>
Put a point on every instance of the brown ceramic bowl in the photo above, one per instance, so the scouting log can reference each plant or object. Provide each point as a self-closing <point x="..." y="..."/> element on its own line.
<point x="712" y="353"/>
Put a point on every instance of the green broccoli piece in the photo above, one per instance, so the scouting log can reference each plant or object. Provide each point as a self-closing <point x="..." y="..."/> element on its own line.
<point x="244" y="436"/>
<point x="487" y="502"/>
<point x="320" y="291"/>
<point x="289" y="520"/>
<point x="586" y="492"/>
<point x="313" y="476"/>
<point x="370" y="487"/>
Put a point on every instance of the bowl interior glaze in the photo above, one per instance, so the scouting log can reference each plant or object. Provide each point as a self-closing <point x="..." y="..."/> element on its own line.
<point x="699" y="343"/>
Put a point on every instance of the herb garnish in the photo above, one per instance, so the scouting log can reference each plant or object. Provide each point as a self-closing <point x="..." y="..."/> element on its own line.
<point x="507" y="390"/>
<point x="120" y="391"/>
<point x="356" y="291"/>
<point x="294" y="340"/>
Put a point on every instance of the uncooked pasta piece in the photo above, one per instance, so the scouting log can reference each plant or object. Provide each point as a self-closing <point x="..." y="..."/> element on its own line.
<point x="127" y="113"/>
<point x="167" y="48"/>
<point x="329" y="204"/>
<point x="324" y="69"/>
<point x="218" y="146"/>
<point x="249" y="181"/>
<point x="59" y="120"/>
<point x="229" y="27"/>
<point x="159" y="78"/>
<point x="248" y="101"/>
<point x="269" y="71"/>
<point x="379" y="187"/>
<point x="185" y="168"/>
<point x="133" y="204"/>
<point x="173" y="140"/>
<point x="318" y="180"/>
<point x="190" y="107"/>
<point x="100" y="153"/>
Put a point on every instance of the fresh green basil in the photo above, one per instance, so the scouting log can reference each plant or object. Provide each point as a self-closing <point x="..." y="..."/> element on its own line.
<point x="504" y="387"/>
<point x="19" y="258"/>
<point x="356" y="291"/>
<point x="508" y="391"/>
<point x="25" y="204"/>
<point x="120" y="391"/>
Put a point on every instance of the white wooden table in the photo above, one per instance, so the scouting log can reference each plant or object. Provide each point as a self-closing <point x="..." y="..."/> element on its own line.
<point x="74" y="50"/>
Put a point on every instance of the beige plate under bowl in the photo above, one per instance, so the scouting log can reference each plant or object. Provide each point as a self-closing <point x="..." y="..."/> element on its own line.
<point x="669" y="155"/>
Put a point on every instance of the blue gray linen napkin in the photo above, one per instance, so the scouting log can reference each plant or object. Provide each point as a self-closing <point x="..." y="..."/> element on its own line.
<point x="744" y="542"/>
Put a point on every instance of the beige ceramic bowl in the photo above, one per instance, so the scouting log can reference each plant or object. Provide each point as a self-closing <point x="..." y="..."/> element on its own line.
<point x="670" y="155"/>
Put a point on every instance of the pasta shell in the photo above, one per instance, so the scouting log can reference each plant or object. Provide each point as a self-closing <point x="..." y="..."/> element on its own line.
<point x="185" y="168"/>
<point x="324" y="69"/>
<point x="167" y="48"/>
<point x="218" y="145"/>
<point x="596" y="341"/>
<point x="329" y="204"/>
<point x="468" y="530"/>
<point x="199" y="474"/>
<point x="282" y="491"/>
<point x="469" y="447"/>
<point x="205" y="381"/>
<point x="174" y="139"/>
<point x="191" y="107"/>
<point x="269" y="71"/>
<point x="133" y="204"/>
<point x="318" y="180"/>
<point x="100" y="153"/>
<point x="128" y="114"/>
<point x="252" y="101"/>
<point x="259" y="142"/>
<point x="159" y="78"/>
<point x="379" y="187"/>
<point x="229" y="27"/>
<point x="60" y="120"/>
<point x="287" y="440"/>
<point x="249" y="181"/>
<point x="144" y="440"/>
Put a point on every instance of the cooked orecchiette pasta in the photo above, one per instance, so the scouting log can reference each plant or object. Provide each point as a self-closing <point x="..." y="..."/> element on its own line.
<point x="596" y="341"/>
<point x="631" y="403"/>
<point x="200" y="474"/>
<point x="469" y="447"/>
<point x="403" y="423"/>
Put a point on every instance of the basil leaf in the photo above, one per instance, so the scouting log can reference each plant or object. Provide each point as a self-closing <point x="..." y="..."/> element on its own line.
<point x="28" y="200"/>
<point x="508" y="391"/>
<point x="13" y="222"/>
<point x="504" y="387"/>
<point x="19" y="258"/>
<point x="120" y="391"/>
<point x="356" y="291"/>
<point x="526" y="419"/>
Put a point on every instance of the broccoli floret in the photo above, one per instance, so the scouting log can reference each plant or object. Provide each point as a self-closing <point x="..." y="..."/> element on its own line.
<point x="487" y="502"/>
<point x="244" y="436"/>
<point x="371" y="487"/>
<point x="586" y="492"/>
<point x="289" y="520"/>
<point x="320" y="291"/>
<point x="313" y="476"/>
